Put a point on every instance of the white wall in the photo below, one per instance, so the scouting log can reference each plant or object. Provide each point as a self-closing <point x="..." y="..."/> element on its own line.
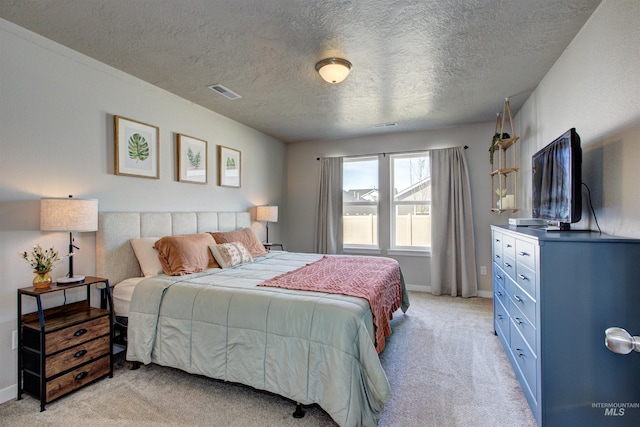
<point x="304" y="169"/>
<point x="56" y="130"/>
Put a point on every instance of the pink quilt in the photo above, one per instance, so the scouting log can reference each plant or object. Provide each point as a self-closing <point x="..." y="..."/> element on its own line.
<point x="373" y="278"/>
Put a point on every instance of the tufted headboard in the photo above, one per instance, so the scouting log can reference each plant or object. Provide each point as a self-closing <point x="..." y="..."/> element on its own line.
<point x="115" y="259"/>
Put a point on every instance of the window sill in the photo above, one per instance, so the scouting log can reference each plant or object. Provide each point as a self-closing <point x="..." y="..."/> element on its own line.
<point x="426" y="253"/>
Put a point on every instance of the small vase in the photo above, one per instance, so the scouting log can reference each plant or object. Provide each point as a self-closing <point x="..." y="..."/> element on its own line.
<point x="42" y="280"/>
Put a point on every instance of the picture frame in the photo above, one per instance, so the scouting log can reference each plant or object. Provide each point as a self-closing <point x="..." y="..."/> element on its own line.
<point x="229" y="167"/>
<point x="137" y="148"/>
<point x="193" y="159"/>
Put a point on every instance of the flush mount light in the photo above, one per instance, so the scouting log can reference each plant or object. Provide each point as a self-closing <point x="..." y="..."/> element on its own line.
<point x="333" y="70"/>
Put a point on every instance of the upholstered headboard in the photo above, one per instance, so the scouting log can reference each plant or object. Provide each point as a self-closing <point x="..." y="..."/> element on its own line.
<point x="115" y="259"/>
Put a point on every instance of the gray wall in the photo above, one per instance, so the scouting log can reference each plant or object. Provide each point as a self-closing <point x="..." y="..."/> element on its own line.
<point x="56" y="117"/>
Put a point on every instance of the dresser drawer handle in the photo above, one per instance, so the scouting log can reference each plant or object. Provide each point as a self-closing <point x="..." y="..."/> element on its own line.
<point x="518" y="320"/>
<point x="80" y="353"/>
<point x="523" y="277"/>
<point x="498" y="240"/>
<point x="523" y="254"/>
<point x="80" y="332"/>
<point x="499" y="277"/>
<point x="520" y="353"/>
<point x="506" y="264"/>
<point x="81" y="376"/>
<point x="508" y="245"/>
<point x="517" y="298"/>
<point x="500" y="317"/>
<point x="499" y="293"/>
<point x="497" y="256"/>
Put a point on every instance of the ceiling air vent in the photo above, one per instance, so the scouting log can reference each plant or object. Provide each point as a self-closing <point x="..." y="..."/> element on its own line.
<point x="385" y="125"/>
<point x="227" y="93"/>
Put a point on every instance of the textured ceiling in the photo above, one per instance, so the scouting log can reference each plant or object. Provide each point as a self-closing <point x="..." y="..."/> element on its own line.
<point x="420" y="63"/>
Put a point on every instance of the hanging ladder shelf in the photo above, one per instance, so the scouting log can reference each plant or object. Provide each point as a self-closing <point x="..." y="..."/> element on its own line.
<point x="504" y="174"/>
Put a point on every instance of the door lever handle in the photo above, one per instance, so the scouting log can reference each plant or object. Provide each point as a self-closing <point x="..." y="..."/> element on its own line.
<point x="620" y="341"/>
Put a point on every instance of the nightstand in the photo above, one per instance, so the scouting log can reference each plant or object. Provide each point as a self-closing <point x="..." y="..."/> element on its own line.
<point x="63" y="348"/>
<point x="269" y="246"/>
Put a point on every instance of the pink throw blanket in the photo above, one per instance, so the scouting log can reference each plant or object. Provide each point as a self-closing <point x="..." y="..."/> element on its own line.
<point x="373" y="278"/>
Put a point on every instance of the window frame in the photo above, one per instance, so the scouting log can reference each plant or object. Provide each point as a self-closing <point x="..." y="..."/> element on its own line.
<point x="364" y="248"/>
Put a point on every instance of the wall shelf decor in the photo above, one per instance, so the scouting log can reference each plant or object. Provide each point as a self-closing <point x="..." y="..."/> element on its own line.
<point x="504" y="168"/>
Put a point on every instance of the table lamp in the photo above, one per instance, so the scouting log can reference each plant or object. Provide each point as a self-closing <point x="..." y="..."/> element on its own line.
<point x="69" y="214"/>
<point x="267" y="214"/>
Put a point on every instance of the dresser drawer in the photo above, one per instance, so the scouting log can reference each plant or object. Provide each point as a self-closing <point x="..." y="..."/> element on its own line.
<point x="526" y="329"/>
<point x="78" y="355"/>
<point x="77" y="334"/>
<point x="501" y="319"/>
<point x="509" y="267"/>
<point x="77" y="378"/>
<point x="526" y="361"/>
<point x="508" y="246"/>
<point x="526" y="279"/>
<point x="525" y="254"/>
<point x="521" y="300"/>
<point x="501" y="294"/>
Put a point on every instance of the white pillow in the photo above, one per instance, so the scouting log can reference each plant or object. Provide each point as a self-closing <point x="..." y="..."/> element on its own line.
<point x="230" y="254"/>
<point x="147" y="255"/>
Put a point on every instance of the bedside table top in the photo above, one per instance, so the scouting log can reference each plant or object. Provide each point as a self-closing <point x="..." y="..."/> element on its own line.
<point x="54" y="287"/>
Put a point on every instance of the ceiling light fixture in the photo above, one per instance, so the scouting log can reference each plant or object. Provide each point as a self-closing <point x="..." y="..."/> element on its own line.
<point x="333" y="70"/>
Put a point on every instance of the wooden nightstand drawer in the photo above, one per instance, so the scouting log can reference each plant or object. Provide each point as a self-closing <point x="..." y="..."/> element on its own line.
<point x="77" y="356"/>
<point x="77" y="378"/>
<point x="77" y="334"/>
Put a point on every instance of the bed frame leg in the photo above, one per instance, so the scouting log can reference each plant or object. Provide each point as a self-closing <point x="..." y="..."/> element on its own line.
<point x="299" y="413"/>
<point x="135" y="365"/>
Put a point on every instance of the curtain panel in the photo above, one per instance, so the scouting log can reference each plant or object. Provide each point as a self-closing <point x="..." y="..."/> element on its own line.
<point x="329" y="221"/>
<point x="453" y="260"/>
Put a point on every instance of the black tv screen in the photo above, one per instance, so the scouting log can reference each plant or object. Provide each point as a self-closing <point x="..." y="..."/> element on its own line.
<point x="556" y="180"/>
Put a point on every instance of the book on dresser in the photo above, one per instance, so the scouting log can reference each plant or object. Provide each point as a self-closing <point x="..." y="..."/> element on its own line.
<point x="555" y="294"/>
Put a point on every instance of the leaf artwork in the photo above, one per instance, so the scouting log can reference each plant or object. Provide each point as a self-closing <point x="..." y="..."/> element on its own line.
<point x="138" y="148"/>
<point x="194" y="159"/>
<point x="231" y="163"/>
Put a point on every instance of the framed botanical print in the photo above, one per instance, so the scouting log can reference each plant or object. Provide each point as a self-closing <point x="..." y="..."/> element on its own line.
<point x="229" y="167"/>
<point x="192" y="159"/>
<point x="136" y="148"/>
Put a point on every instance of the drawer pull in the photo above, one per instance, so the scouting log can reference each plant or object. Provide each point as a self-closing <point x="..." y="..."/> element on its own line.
<point x="497" y="256"/>
<point x="499" y="293"/>
<point x="523" y="277"/>
<point x="500" y="317"/>
<point x="523" y="254"/>
<point x="518" y="320"/>
<point x="80" y="353"/>
<point x="498" y="240"/>
<point x="499" y="277"/>
<point x="81" y="376"/>
<point x="519" y="352"/>
<point x="517" y="298"/>
<point x="506" y="264"/>
<point x="508" y="245"/>
<point x="80" y="332"/>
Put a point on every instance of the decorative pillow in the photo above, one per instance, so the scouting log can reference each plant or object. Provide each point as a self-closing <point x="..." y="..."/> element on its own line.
<point x="246" y="236"/>
<point x="147" y="256"/>
<point x="230" y="254"/>
<point x="185" y="254"/>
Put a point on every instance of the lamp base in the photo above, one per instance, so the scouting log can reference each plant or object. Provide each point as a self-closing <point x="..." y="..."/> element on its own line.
<point x="67" y="280"/>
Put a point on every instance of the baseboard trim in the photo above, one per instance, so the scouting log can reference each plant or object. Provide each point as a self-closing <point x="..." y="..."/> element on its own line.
<point x="418" y="288"/>
<point x="9" y="393"/>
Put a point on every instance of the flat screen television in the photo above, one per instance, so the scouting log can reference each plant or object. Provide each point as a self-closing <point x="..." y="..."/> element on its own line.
<point x="556" y="181"/>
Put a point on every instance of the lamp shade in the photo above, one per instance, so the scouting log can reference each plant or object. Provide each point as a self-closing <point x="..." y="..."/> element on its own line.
<point x="68" y="214"/>
<point x="333" y="70"/>
<point x="267" y="213"/>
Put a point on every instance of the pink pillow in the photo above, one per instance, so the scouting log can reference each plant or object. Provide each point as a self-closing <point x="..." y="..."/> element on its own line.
<point x="246" y="236"/>
<point x="185" y="254"/>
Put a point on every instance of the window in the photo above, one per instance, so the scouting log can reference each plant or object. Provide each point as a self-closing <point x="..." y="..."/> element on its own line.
<point x="411" y="201"/>
<point x="360" y="202"/>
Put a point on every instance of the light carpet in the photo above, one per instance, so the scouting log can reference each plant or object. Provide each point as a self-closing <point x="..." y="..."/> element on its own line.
<point x="444" y="363"/>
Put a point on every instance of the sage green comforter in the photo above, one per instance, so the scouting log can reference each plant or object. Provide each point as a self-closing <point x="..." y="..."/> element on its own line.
<point x="310" y="347"/>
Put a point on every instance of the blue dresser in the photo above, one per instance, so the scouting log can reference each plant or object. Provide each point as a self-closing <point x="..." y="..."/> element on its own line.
<point x="555" y="293"/>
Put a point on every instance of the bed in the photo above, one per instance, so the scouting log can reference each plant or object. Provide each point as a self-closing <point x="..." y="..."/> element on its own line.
<point x="242" y="323"/>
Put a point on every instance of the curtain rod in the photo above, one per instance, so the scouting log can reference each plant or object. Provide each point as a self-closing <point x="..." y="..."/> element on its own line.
<point x="385" y="153"/>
